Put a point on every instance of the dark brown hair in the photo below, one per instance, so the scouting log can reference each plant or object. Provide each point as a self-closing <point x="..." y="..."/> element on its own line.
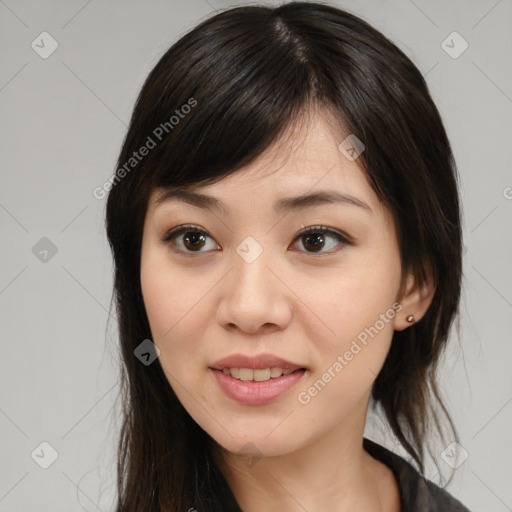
<point x="246" y="74"/>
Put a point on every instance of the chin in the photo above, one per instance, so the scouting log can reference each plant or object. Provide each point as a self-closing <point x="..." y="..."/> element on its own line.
<point x="257" y="445"/>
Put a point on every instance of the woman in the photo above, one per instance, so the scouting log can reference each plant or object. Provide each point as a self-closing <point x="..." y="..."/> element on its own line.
<point x="285" y="225"/>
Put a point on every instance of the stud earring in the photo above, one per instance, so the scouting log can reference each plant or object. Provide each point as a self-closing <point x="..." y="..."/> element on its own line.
<point x="410" y="319"/>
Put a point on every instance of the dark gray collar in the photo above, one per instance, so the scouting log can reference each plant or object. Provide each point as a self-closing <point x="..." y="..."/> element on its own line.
<point x="416" y="493"/>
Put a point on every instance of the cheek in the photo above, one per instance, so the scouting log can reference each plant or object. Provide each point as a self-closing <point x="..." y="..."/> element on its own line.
<point x="158" y="300"/>
<point x="174" y="319"/>
<point x="176" y="316"/>
<point x="348" y="363"/>
<point x="355" y="297"/>
<point x="357" y="314"/>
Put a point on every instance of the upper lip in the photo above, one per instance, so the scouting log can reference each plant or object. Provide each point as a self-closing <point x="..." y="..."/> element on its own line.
<point x="255" y="362"/>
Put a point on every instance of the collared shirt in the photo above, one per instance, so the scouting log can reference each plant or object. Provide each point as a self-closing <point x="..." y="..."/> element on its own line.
<point x="417" y="494"/>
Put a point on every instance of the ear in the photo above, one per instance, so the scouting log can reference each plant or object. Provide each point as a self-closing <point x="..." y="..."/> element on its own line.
<point x="415" y="301"/>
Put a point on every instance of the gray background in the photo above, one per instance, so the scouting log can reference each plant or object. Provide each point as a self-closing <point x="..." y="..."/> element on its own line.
<point x="63" y="121"/>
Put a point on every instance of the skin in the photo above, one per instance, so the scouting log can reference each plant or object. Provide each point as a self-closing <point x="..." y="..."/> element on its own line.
<point x="304" y="306"/>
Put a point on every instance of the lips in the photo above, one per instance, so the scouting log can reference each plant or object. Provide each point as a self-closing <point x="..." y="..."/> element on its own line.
<point x="258" y="362"/>
<point x="256" y="380"/>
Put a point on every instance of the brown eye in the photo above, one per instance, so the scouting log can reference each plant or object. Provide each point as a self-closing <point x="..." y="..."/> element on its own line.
<point x="190" y="239"/>
<point x="315" y="239"/>
<point x="193" y="238"/>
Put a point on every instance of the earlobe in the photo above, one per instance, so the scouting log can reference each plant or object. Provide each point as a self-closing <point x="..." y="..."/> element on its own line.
<point x="415" y="302"/>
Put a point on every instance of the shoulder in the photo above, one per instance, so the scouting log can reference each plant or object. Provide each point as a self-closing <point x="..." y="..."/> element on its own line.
<point x="439" y="499"/>
<point x="416" y="492"/>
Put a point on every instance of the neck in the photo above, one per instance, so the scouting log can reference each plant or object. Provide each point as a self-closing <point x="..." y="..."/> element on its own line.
<point x="333" y="472"/>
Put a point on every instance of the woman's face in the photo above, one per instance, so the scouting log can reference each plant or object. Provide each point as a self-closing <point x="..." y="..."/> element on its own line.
<point x="252" y="285"/>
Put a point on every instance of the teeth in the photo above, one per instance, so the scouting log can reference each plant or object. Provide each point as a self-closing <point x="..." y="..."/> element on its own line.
<point x="246" y="374"/>
<point x="276" y="372"/>
<point x="259" y="375"/>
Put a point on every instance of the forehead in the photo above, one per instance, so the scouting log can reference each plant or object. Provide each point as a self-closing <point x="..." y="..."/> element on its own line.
<point x="305" y="159"/>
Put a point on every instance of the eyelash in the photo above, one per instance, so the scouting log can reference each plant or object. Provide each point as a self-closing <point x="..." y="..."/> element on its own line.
<point x="191" y="228"/>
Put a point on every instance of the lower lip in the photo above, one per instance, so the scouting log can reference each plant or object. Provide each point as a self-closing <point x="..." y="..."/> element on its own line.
<point x="257" y="393"/>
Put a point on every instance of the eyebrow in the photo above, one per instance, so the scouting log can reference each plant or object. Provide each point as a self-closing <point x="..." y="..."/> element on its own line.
<point x="284" y="205"/>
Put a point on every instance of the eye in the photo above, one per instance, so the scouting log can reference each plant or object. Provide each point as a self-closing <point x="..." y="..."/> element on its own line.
<point x="315" y="238"/>
<point x="193" y="240"/>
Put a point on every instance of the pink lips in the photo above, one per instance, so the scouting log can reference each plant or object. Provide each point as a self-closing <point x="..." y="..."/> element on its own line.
<point x="255" y="362"/>
<point x="253" y="392"/>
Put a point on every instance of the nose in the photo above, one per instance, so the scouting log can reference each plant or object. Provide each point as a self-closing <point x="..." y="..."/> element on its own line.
<point x="254" y="297"/>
